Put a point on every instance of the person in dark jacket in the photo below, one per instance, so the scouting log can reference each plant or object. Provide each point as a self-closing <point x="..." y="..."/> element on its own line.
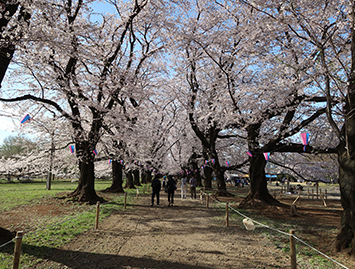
<point x="156" y="186"/>
<point x="171" y="186"/>
<point x="193" y="183"/>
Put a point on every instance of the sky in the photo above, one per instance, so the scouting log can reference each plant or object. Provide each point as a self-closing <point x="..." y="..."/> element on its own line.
<point x="7" y="126"/>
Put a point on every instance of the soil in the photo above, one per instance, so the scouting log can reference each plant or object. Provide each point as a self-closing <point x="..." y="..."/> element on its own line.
<point x="186" y="235"/>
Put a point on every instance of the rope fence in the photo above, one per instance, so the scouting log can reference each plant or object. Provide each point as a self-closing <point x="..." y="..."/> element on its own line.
<point x="249" y="225"/>
<point x="248" y="222"/>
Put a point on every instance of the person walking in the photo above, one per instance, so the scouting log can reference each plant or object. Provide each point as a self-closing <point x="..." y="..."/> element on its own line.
<point x="183" y="187"/>
<point x="193" y="183"/>
<point x="164" y="182"/>
<point x="156" y="186"/>
<point x="171" y="186"/>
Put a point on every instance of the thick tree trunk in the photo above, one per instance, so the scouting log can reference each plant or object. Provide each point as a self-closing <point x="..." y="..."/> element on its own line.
<point x="136" y="178"/>
<point x="7" y="50"/>
<point x="117" y="178"/>
<point x="5" y="59"/>
<point x="85" y="192"/>
<point x="129" y="180"/>
<point x="346" y="159"/>
<point x="221" y="183"/>
<point x="146" y="176"/>
<point x="258" y="192"/>
<point x="208" y="177"/>
<point x="346" y="239"/>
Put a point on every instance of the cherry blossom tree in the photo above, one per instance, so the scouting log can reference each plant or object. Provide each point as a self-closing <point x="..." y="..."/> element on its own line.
<point x="82" y="70"/>
<point x="331" y="32"/>
<point x="323" y="32"/>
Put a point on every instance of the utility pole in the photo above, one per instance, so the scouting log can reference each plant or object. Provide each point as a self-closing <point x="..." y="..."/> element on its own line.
<point x="51" y="155"/>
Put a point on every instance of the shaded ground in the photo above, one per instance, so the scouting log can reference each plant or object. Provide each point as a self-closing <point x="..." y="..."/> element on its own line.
<point x="186" y="235"/>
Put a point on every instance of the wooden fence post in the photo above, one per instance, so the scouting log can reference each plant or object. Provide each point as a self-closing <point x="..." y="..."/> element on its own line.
<point x="293" y="250"/>
<point x="312" y="193"/>
<point x="125" y="200"/>
<point x="97" y="215"/>
<point x="317" y="189"/>
<point x="227" y="214"/>
<point x="201" y="197"/>
<point x="307" y="193"/>
<point x="137" y="193"/>
<point x="322" y="197"/>
<point x="325" y="194"/>
<point x="207" y="201"/>
<point x="297" y="198"/>
<point x="17" y="251"/>
<point x="143" y="189"/>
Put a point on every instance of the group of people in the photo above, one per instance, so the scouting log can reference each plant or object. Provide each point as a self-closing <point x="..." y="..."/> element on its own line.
<point x="169" y="185"/>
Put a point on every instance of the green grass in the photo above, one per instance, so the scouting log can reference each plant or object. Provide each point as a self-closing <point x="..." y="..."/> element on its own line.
<point x="18" y="193"/>
<point x="51" y="232"/>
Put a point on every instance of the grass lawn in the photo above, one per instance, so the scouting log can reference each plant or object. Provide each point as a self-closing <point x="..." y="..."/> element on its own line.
<point x="44" y="227"/>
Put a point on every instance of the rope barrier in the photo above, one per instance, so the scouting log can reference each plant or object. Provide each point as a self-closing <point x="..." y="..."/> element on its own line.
<point x="279" y="231"/>
<point x="225" y="204"/>
<point x="3" y="245"/>
<point x="320" y="252"/>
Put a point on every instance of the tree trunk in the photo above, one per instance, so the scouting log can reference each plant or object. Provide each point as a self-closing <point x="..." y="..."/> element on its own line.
<point x="208" y="177"/>
<point x="346" y="158"/>
<point x="221" y="183"/>
<point x="258" y="191"/>
<point x="117" y="178"/>
<point x="85" y="192"/>
<point x="7" y="50"/>
<point x="5" y="59"/>
<point x="129" y="180"/>
<point x="146" y="176"/>
<point x="136" y="178"/>
<point x="345" y="239"/>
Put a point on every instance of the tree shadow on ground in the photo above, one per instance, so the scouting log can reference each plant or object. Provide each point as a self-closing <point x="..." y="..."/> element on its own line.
<point x="87" y="260"/>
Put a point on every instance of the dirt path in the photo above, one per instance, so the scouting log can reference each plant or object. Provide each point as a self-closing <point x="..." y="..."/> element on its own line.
<point x="186" y="235"/>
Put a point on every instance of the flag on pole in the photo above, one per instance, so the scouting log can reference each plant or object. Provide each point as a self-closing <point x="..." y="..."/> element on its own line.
<point x="71" y="148"/>
<point x="109" y="161"/>
<point x="227" y="163"/>
<point x="94" y="151"/>
<point x="249" y="154"/>
<point x="25" y="119"/>
<point x="304" y="138"/>
<point x="267" y="155"/>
